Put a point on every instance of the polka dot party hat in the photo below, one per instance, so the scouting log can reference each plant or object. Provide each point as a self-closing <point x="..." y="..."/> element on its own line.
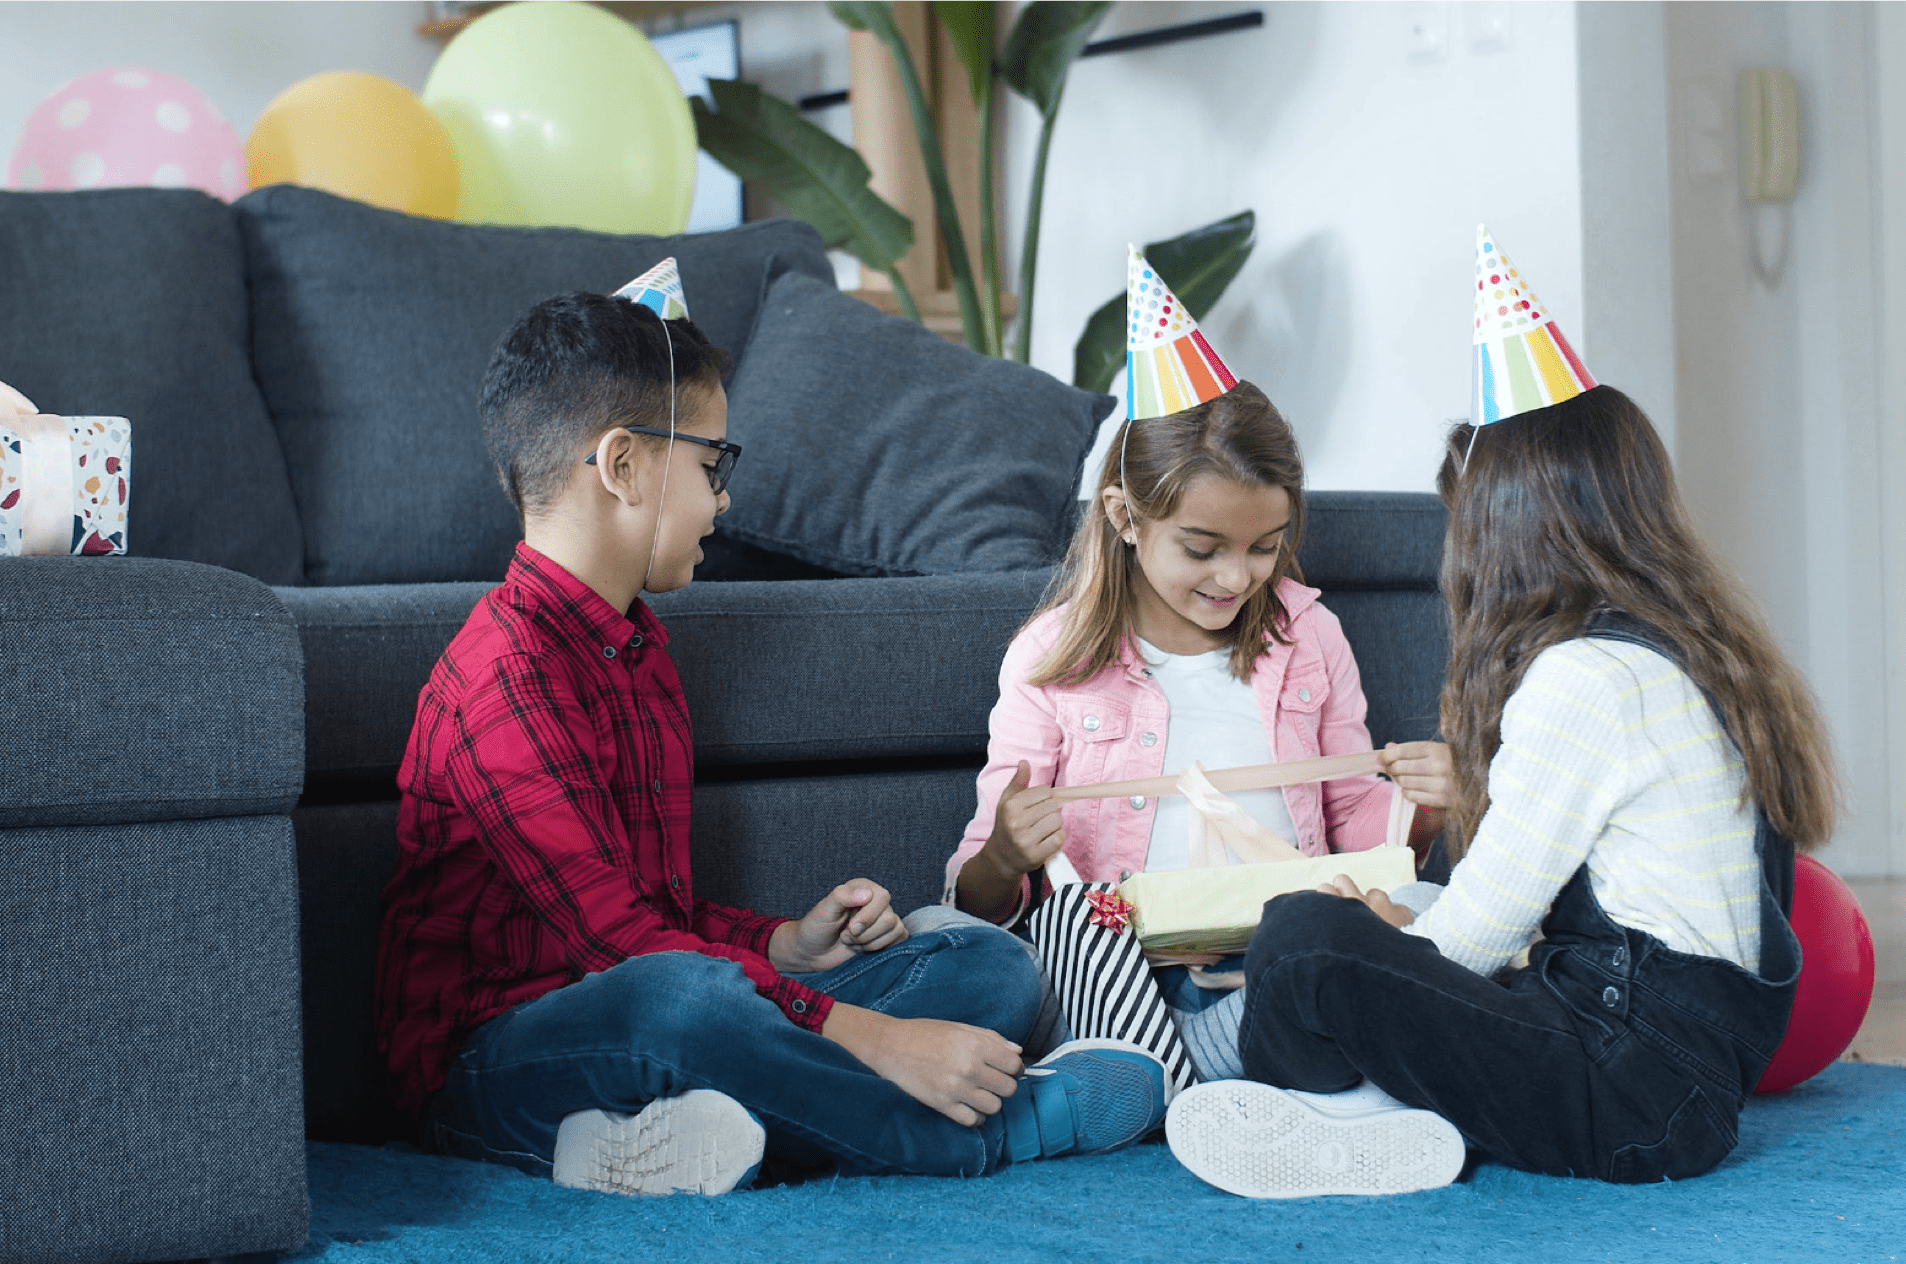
<point x="1522" y="360"/>
<point x="1169" y="366"/>
<point x="660" y="290"/>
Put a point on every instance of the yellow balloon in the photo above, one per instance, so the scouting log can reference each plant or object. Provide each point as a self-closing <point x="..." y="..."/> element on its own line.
<point x="359" y="136"/>
<point x="565" y="114"/>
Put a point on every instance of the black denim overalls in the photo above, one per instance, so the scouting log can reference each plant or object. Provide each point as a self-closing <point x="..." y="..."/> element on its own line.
<point x="1611" y="1055"/>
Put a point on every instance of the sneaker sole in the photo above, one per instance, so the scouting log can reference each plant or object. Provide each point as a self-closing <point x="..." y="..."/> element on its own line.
<point x="701" y="1142"/>
<point x="1256" y="1141"/>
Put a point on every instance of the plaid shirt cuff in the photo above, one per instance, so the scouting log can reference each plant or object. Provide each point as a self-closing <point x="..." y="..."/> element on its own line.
<point x="753" y="931"/>
<point x="804" y="1007"/>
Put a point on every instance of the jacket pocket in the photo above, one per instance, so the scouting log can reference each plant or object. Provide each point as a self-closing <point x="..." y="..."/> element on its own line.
<point x="1092" y="728"/>
<point x="1304" y="690"/>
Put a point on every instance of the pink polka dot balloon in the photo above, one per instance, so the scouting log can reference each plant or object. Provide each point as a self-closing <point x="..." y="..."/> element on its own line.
<point x="128" y="126"/>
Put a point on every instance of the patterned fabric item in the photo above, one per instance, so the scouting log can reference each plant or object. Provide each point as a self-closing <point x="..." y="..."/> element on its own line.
<point x="1104" y="984"/>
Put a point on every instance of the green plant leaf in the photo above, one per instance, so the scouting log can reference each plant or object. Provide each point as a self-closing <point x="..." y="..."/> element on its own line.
<point x="1045" y="41"/>
<point x="971" y="27"/>
<point x="1197" y="266"/>
<point x="858" y="14"/>
<point x="766" y="142"/>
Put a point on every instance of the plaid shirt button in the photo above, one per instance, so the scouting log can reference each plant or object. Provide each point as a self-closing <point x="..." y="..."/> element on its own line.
<point x="608" y="651"/>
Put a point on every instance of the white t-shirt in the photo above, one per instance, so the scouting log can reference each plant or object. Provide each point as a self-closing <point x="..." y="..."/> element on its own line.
<point x="1215" y="722"/>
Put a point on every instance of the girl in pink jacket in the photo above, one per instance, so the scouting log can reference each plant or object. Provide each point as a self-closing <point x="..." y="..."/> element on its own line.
<point x="1176" y="630"/>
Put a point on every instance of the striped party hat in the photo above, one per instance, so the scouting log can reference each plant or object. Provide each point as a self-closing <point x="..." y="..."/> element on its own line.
<point x="660" y="290"/>
<point x="1522" y="360"/>
<point x="1169" y="366"/>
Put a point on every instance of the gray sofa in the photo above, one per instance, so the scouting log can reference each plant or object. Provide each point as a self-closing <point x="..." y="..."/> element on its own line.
<point x="197" y="800"/>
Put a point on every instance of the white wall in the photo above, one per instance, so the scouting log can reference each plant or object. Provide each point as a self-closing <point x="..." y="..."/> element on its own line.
<point x="1627" y="229"/>
<point x="1889" y="44"/>
<point x="240" y="55"/>
<point x="1368" y="171"/>
<point x="1778" y="401"/>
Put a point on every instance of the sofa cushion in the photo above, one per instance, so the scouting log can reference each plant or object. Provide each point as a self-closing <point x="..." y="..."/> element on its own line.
<point x="144" y="690"/>
<point x="875" y="447"/>
<point x="370" y="334"/>
<point x="775" y="672"/>
<point x="1373" y="540"/>
<point x="132" y="303"/>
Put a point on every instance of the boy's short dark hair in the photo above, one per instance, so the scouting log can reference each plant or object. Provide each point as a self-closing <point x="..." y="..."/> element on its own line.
<point x="575" y="366"/>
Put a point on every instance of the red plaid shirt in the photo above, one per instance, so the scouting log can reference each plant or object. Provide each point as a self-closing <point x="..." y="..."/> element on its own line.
<point x="543" y="832"/>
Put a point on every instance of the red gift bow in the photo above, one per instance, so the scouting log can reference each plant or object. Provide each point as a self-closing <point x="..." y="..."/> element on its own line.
<point x="1110" y="910"/>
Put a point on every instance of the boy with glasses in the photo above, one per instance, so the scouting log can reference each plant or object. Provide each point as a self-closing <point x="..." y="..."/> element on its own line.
<point x="551" y="993"/>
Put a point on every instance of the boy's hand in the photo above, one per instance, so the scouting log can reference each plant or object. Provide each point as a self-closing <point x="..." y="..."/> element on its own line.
<point x="854" y="917"/>
<point x="1026" y="829"/>
<point x="963" y="1072"/>
<point x="1376" y="901"/>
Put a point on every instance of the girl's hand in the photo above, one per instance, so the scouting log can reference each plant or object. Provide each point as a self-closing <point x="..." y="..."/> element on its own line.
<point x="1423" y="770"/>
<point x="1376" y="901"/>
<point x="1026" y="829"/>
<point x="854" y="917"/>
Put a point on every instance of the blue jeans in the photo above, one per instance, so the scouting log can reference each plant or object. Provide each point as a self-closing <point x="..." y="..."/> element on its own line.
<point x="659" y="1025"/>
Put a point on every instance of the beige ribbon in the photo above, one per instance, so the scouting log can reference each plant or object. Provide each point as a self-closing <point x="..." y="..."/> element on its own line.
<point x="1292" y="772"/>
<point x="46" y="475"/>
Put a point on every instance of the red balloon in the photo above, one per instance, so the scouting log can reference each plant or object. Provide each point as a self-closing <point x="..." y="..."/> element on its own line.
<point x="1836" y="977"/>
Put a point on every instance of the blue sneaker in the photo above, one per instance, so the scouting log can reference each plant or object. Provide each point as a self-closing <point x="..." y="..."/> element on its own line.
<point x="1085" y="1097"/>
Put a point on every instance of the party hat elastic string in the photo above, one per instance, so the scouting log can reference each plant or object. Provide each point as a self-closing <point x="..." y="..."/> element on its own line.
<point x="668" y="460"/>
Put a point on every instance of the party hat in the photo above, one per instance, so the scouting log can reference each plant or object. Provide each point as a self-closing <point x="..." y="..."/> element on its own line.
<point x="1169" y="366"/>
<point x="1522" y="360"/>
<point x="660" y="290"/>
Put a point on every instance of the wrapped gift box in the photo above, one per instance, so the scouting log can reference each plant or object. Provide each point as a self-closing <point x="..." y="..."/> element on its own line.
<point x="1215" y="910"/>
<point x="63" y="481"/>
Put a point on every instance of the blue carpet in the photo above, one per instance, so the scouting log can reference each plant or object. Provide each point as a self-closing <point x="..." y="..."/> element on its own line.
<point x="1820" y="1174"/>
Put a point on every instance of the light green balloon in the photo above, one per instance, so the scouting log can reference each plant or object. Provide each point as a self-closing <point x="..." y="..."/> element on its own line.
<point x="564" y="114"/>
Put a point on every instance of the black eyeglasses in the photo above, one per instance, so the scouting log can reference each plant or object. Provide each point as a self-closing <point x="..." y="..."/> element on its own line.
<point x="718" y="473"/>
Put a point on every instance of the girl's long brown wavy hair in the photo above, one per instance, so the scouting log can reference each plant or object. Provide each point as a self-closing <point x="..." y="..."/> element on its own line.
<point x="1240" y="436"/>
<point x="1568" y="513"/>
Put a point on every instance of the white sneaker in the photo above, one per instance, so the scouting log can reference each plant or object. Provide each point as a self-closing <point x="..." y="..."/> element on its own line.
<point x="1263" y="1142"/>
<point x="701" y="1142"/>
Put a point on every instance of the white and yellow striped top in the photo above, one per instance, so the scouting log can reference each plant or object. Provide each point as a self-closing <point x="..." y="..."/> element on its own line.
<point x="1609" y="756"/>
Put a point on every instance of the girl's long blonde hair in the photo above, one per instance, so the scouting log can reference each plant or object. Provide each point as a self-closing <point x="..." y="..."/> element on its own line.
<point x="1568" y="513"/>
<point x="1239" y="436"/>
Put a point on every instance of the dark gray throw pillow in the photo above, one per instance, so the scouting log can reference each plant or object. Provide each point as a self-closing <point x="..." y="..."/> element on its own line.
<point x="131" y="303"/>
<point x="370" y="334"/>
<point x="875" y="447"/>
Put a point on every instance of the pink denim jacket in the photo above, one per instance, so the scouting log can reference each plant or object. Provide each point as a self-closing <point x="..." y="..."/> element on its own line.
<point x="1114" y="726"/>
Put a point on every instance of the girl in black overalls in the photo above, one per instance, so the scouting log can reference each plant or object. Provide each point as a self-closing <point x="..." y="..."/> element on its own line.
<point x="1608" y="1055"/>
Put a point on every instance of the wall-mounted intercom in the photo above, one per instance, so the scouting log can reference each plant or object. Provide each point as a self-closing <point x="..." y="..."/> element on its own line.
<point x="1770" y="135"/>
<point x="1770" y="164"/>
